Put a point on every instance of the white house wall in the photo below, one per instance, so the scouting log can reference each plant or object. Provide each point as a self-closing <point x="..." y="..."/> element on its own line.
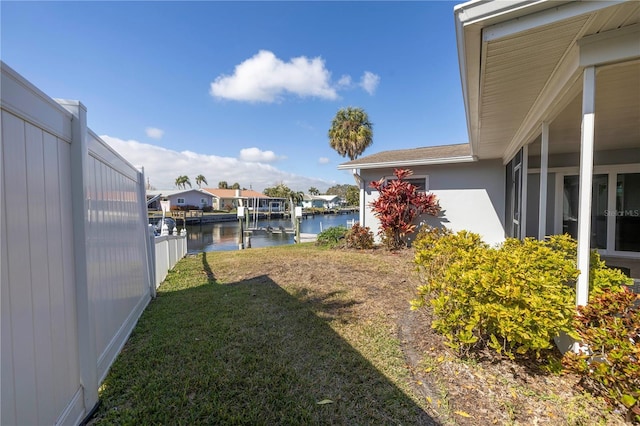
<point x="191" y="198"/>
<point x="471" y="196"/>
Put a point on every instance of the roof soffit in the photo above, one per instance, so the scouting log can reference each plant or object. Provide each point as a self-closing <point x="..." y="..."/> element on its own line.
<point x="529" y="72"/>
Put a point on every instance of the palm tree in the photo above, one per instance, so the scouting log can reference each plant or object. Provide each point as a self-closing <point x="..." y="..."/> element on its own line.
<point x="314" y="191"/>
<point x="223" y="184"/>
<point x="351" y="132"/>
<point x="200" y="180"/>
<point x="182" y="182"/>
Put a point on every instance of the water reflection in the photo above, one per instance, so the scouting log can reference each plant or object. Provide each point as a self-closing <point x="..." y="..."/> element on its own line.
<point x="224" y="235"/>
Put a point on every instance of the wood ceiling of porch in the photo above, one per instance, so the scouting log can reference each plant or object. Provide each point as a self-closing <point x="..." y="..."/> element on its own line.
<point x="521" y="70"/>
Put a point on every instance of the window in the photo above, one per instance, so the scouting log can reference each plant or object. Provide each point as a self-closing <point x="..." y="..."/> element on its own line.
<point x="180" y="201"/>
<point x="598" y="209"/>
<point x="203" y="201"/>
<point x="615" y="209"/>
<point x="627" y="212"/>
<point x="421" y="182"/>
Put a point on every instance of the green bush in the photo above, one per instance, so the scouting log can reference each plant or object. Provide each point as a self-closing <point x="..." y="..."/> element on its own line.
<point x="359" y="237"/>
<point x="609" y="326"/>
<point x="331" y="237"/>
<point x="514" y="298"/>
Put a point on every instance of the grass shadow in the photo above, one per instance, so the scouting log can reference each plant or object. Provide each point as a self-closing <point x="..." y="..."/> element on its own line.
<point x="246" y="353"/>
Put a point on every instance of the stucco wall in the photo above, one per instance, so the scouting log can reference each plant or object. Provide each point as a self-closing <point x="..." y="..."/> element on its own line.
<point x="191" y="198"/>
<point x="471" y="196"/>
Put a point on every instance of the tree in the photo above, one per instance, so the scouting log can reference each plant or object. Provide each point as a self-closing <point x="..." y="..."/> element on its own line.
<point x="283" y="191"/>
<point x="200" y="180"/>
<point x="398" y="205"/>
<point x="340" y="189"/>
<point x="235" y="186"/>
<point x="279" y="191"/>
<point x="353" y="196"/>
<point x="182" y="182"/>
<point x="314" y="191"/>
<point x="223" y="184"/>
<point x="351" y="132"/>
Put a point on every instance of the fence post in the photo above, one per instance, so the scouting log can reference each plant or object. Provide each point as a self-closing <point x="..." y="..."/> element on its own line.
<point x="87" y="352"/>
<point x="144" y="217"/>
<point x="151" y="243"/>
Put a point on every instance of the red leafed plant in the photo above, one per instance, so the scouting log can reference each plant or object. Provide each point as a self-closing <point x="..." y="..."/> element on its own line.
<point x="398" y="205"/>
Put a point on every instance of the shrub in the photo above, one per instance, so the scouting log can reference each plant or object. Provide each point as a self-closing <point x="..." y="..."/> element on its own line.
<point x="513" y="299"/>
<point x="398" y="205"/>
<point x="609" y="326"/>
<point x="359" y="237"/>
<point x="331" y="237"/>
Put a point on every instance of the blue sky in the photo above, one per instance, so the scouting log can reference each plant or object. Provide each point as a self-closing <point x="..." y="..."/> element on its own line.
<point x="244" y="91"/>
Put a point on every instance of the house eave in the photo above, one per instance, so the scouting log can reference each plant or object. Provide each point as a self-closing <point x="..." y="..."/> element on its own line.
<point x="409" y="163"/>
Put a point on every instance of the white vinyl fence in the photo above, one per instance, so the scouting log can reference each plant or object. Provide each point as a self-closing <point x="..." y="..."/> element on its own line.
<point x="77" y="265"/>
<point x="168" y="249"/>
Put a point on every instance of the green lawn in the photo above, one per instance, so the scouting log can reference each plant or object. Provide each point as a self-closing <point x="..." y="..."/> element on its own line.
<point x="273" y="336"/>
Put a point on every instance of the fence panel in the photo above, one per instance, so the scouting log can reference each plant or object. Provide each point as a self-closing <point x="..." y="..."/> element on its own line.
<point x="40" y="367"/>
<point x="119" y="287"/>
<point x="75" y="256"/>
<point x="168" y="250"/>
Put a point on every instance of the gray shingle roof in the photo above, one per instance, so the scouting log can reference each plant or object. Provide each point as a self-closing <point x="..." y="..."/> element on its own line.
<point x="413" y="156"/>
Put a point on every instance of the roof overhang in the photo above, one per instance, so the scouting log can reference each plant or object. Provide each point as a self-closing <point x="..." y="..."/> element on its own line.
<point x="409" y="163"/>
<point x="521" y="63"/>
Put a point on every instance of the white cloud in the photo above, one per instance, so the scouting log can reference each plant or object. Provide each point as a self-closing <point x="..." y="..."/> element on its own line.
<point x="323" y="160"/>
<point x="345" y="81"/>
<point x="266" y="78"/>
<point x="154" y="132"/>
<point x="255" y="155"/>
<point x="369" y="82"/>
<point x="162" y="166"/>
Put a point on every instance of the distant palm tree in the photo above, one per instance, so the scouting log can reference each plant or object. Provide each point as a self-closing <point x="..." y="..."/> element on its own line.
<point x="351" y="132"/>
<point x="200" y="180"/>
<point x="314" y="191"/>
<point x="182" y="182"/>
<point x="223" y="184"/>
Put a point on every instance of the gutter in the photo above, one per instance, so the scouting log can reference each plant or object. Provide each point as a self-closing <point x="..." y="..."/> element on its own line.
<point x="423" y="162"/>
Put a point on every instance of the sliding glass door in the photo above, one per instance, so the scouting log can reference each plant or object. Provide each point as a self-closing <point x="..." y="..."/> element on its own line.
<point x="615" y="211"/>
<point x="627" y="212"/>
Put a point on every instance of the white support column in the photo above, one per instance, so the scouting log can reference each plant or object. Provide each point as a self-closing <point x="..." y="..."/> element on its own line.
<point x="87" y="352"/>
<point x="544" y="169"/>
<point x="586" y="181"/>
<point x="523" y="191"/>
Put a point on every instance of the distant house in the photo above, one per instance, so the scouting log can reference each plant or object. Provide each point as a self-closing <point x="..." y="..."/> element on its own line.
<point x="321" y="201"/>
<point x="552" y="98"/>
<point x="230" y="199"/>
<point x="193" y="198"/>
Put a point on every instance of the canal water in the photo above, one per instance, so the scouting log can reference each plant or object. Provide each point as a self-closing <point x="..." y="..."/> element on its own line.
<point x="224" y="235"/>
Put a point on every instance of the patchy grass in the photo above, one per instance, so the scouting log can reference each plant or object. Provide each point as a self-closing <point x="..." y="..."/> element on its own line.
<point x="299" y="334"/>
<point x="228" y="341"/>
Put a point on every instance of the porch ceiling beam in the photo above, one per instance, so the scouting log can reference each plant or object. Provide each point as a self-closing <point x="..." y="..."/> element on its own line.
<point x="554" y="97"/>
<point x="545" y="17"/>
<point x="610" y="46"/>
